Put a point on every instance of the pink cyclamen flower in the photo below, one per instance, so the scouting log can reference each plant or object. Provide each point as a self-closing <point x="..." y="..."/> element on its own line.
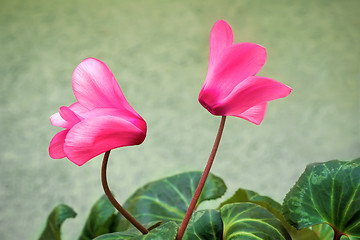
<point x="231" y="87"/>
<point x="99" y="121"/>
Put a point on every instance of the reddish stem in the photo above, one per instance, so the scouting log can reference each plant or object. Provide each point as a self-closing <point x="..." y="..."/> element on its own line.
<point x="201" y="182"/>
<point x="337" y="234"/>
<point x="115" y="203"/>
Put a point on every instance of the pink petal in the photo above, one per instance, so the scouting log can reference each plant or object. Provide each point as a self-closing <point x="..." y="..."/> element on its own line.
<point x="57" y="120"/>
<point x="94" y="136"/>
<point x="56" y="147"/>
<point x="121" y="113"/>
<point x="69" y="116"/>
<point x="221" y="36"/>
<point x="249" y="93"/>
<point x="94" y="86"/>
<point x="235" y="64"/>
<point x="78" y="108"/>
<point x="254" y="114"/>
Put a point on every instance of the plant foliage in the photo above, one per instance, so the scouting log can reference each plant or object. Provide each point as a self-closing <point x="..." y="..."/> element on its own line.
<point x="329" y="193"/>
<point x="326" y="194"/>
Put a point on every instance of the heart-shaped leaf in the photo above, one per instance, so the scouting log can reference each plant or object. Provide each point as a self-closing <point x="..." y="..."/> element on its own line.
<point x="243" y="195"/>
<point x="56" y="218"/>
<point x="168" y="199"/>
<point x="100" y="219"/>
<point x="166" y="231"/>
<point x="204" y="224"/>
<point x="249" y="221"/>
<point x="326" y="193"/>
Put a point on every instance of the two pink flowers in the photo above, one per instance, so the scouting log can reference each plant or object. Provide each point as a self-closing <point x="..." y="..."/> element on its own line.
<point x="102" y="119"/>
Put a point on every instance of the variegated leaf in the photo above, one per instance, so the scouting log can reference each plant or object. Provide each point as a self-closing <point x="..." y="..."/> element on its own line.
<point x="327" y="193"/>
<point x="167" y="199"/>
<point x="249" y="221"/>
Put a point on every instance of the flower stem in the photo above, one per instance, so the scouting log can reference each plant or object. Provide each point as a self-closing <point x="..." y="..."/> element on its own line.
<point x="113" y="201"/>
<point x="201" y="182"/>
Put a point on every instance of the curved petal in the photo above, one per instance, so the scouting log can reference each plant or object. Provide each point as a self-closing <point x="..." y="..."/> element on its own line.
<point x="78" y="108"/>
<point x="251" y="92"/>
<point x="137" y="120"/>
<point x="254" y="114"/>
<point x="235" y="64"/>
<point x="56" y="147"/>
<point x="94" y="136"/>
<point x="95" y="86"/>
<point x="69" y="116"/>
<point x="221" y="36"/>
<point x="57" y="120"/>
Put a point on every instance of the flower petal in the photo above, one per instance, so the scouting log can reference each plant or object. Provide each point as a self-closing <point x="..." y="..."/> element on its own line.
<point x="249" y="93"/>
<point x="235" y="64"/>
<point x="57" y="120"/>
<point x="94" y="136"/>
<point x="69" y="116"/>
<point x="78" y="108"/>
<point x="56" y="147"/>
<point x="137" y="120"/>
<point x="221" y="36"/>
<point x="254" y="114"/>
<point x="94" y="86"/>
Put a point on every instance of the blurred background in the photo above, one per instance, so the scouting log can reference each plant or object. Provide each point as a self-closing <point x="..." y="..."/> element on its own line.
<point x="158" y="52"/>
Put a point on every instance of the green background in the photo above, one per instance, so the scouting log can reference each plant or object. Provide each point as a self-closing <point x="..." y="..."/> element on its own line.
<point x="158" y="52"/>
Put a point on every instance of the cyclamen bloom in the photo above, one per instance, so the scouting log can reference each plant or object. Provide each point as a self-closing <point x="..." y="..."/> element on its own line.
<point x="99" y="121"/>
<point x="231" y="87"/>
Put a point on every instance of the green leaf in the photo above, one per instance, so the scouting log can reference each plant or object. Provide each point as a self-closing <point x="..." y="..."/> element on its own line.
<point x="204" y="224"/>
<point x="325" y="232"/>
<point x="166" y="231"/>
<point x="351" y="238"/>
<point x="168" y="199"/>
<point x="100" y="219"/>
<point x="249" y="221"/>
<point x="326" y="193"/>
<point x="56" y="218"/>
<point x="243" y="195"/>
<point x="130" y="233"/>
<point x="117" y="236"/>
